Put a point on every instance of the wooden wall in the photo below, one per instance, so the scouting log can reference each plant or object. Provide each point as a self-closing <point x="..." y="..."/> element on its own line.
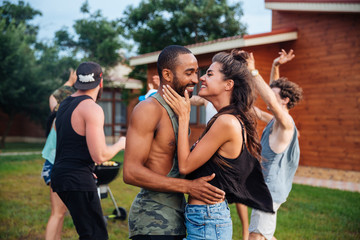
<point x="327" y="67"/>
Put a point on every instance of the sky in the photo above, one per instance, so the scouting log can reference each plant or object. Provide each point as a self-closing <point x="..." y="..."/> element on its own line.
<point x="63" y="13"/>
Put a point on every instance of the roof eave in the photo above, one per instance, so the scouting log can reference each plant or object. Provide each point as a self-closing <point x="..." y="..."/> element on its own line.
<point x="313" y="7"/>
<point x="217" y="46"/>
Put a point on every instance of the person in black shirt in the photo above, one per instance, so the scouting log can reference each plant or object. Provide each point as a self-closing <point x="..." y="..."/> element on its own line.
<point x="229" y="146"/>
<point x="81" y="144"/>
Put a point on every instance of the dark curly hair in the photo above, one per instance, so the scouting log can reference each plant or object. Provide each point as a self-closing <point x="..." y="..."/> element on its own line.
<point x="289" y="90"/>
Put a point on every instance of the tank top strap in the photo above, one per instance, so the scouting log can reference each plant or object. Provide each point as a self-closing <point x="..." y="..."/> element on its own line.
<point x="174" y="172"/>
<point x="243" y="130"/>
<point x="172" y="115"/>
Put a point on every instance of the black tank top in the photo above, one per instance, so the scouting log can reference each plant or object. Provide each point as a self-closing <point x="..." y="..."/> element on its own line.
<point x="241" y="178"/>
<point x="73" y="167"/>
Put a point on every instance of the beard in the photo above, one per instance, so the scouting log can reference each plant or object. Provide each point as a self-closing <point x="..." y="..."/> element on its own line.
<point x="179" y="88"/>
<point x="98" y="97"/>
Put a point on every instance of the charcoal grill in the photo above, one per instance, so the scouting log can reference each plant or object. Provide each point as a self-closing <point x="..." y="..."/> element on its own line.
<point x="105" y="175"/>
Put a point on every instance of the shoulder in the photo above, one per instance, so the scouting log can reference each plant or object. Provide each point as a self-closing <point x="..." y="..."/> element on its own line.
<point x="284" y="122"/>
<point x="148" y="111"/>
<point x="227" y="123"/>
<point x="227" y="120"/>
<point x="90" y="108"/>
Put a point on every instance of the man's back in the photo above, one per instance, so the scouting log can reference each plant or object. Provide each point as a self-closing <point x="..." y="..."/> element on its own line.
<point x="73" y="164"/>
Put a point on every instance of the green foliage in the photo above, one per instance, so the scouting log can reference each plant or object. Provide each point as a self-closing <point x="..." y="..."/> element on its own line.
<point x="20" y="89"/>
<point x="155" y="24"/>
<point x="29" y="71"/>
<point x="98" y="38"/>
<point x="18" y="14"/>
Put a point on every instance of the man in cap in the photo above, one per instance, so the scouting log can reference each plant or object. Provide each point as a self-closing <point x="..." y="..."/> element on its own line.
<point x="81" y="144"/>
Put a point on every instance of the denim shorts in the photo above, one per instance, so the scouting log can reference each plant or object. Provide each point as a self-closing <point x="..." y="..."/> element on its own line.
<point x="208" y="222"/>
<point x="46" y="171"/>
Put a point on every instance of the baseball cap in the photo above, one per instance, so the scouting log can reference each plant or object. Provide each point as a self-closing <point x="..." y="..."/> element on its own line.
<point x="89" y="75"/>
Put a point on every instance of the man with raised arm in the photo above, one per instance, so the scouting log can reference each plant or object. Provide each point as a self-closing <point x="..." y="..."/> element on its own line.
<point x="279" y="141"/>
<point x="80" y="144"/>
<point x="150" y="156"/>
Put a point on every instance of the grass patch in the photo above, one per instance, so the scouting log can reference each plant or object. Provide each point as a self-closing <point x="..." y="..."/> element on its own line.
<point x="22" y="147"/>
<point x="309" y="213"/>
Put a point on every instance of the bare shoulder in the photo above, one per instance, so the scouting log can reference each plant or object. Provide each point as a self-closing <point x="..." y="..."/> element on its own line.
<point x="284" y="121"/>
<point x="227" y="120"/>
<point x="227" y="123"/>
<point x="147" y="111"/>
<point x="88" y="106"/>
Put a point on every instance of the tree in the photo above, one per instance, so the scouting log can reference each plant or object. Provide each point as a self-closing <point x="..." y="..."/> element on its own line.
<point x="155" y="24"/>
<point x="98" y="38"/>
<point x="29" y="70"/>
<point x="21" y="13"/>
<point x="19" y="87"/>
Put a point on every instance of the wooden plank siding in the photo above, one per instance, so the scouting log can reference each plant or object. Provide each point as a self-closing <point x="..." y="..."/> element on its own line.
<point x="327" y="67"/>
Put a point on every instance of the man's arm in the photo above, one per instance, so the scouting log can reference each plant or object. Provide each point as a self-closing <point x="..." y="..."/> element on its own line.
<point x="269" y="98"/>
<point x="196" y="100"/>
<point x="93" y="117"/>
<point x="262" y="115"/>
<point x="139" y="139"/>
<point x="56" y="98"/>
<point x="283" y="58"/>
<point x="52" y="102"/>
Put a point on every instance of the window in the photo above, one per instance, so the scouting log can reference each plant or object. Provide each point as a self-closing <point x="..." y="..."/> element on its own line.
<point x="114" y="111"/>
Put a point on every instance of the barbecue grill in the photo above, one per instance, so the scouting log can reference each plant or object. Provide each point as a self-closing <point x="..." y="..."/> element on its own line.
<point x="106" y="174"/>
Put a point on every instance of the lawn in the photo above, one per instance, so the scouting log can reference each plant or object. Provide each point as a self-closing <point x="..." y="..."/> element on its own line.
<point x="309" y="213"/>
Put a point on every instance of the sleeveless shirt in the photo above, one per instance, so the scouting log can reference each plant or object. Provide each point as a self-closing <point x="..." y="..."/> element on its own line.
<point x="241" y="178"/>
<point x="279" y="168"/>
<point x="159" y="213"/>
<point x="73" y="167"/>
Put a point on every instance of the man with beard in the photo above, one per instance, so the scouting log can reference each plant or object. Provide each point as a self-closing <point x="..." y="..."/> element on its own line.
<point x="81" y="144"/>
<point x="150" y="156"/>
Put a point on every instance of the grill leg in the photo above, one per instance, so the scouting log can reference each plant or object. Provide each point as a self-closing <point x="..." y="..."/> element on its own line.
<point x="113" y="199"/>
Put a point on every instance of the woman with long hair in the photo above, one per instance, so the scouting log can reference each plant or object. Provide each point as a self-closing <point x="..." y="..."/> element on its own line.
<point x="229" y="146"/>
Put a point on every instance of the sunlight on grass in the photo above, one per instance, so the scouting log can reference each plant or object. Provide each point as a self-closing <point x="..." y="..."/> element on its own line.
<point x="309" y="213"/>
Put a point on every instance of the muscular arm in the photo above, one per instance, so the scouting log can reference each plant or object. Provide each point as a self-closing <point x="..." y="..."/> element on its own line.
<point x="93" y="117"/>
<point x="139" y="139"/>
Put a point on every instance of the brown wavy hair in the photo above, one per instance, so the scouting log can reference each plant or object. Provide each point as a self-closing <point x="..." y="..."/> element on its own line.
<point x="234" y="66"/>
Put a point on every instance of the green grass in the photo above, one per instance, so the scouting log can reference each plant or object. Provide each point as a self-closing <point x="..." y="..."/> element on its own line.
<point x="309" y="213"/>
<point x="22" y="147"/>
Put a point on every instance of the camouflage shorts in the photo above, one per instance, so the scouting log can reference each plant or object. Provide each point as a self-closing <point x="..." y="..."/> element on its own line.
<point x="154" y="213"/>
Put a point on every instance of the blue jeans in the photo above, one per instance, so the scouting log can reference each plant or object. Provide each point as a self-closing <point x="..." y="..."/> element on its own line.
<point x="208" y="222"/>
